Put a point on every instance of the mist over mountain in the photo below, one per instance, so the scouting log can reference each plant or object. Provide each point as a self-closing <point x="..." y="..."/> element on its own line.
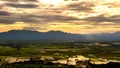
<point x="56" y="36"/>
<point x="105" y="36"/>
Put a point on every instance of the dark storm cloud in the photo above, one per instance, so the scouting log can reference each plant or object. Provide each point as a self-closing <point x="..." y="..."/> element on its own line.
<point x="57" y="18"/>
<point x="9" y="0"/>
<point x="32" y="18"/>
<point x="21" y="0"/>
<point x="21" y="5"/>
<point x="9" y="18"/>
<point x="48" y="18"/>
<point x="7" y="21"/>
<point x="103" y="18"/>
<point x="4" y="13"/>
<point x="16" y="18"/>
<point x="37" y="18"/>
<point x="82" y="6"/>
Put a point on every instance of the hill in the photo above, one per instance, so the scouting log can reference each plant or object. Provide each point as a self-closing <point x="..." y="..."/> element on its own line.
<point x="57" y="36"/>
<point x="34" y="35"/>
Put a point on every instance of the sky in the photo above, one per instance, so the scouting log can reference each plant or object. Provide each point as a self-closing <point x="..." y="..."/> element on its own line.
<point x="72" y="16"/>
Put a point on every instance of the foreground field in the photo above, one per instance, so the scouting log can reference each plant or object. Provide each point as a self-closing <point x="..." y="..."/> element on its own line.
<point x="20" y="52"/>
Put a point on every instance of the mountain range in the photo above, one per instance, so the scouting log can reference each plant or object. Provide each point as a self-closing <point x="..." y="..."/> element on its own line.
<point x="57" y="36"/>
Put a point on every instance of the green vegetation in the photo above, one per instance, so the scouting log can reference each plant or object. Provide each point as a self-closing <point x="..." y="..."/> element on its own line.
<point x="64" y="49"/>
<point x="57" y="50"/>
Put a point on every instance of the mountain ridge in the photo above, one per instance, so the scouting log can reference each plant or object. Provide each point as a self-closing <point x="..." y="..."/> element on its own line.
<point x="35" y="35"/>
<point x="56" y="36"/>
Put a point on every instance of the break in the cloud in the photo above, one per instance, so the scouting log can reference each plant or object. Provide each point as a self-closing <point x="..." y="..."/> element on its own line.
<point x="81" y="16"/>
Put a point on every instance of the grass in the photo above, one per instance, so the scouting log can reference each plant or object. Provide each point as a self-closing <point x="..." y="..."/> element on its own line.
<point x="63" y="50"/>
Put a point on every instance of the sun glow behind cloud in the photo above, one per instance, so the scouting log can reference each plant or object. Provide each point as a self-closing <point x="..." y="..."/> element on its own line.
<point x="52" y="2"/>
<point x="15" y="26"/>
<point x="81" y="16"/>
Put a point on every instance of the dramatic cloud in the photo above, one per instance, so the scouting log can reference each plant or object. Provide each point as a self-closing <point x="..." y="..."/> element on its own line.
<point x="16" y="18"/>
<point x="21" y="0"/>
<point x="82" y="6"/>
<point x="4" y="13"/>
<point x="7" y="21"/>
<point x="32" y="18"/>
<point x="56" y="18"/>
<point x="75" y="16"/>
<point x="103" y="18"/>
<point x="22" y="5"/>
